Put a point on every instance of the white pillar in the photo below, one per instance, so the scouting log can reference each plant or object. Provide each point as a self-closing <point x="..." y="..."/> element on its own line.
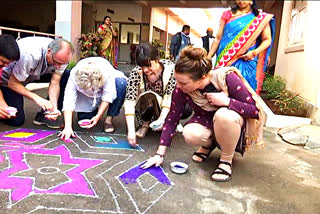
<point x="68" y="22"/>
<point x="151" y="25"/>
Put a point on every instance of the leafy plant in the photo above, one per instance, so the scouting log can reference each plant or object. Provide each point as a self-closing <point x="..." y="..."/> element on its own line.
<point x="273" y="85"/>
<point x="287" y="102"/>
<point x="158" y="45"/>
<point x="71" y="64"/>
<point x="89" y="44"/>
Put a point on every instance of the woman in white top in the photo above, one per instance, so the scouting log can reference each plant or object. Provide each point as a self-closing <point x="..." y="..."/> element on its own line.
<point x="94" y="86"/>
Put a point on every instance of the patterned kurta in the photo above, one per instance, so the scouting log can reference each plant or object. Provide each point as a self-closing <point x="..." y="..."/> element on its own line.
<point x="137" y="85"/>
<point x="241" y="102"/>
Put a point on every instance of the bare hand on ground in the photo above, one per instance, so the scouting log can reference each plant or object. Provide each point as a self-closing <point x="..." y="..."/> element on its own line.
<point x="132" y="139"/>
<point x="156" y="160"/>
<point x="66" y="134"/>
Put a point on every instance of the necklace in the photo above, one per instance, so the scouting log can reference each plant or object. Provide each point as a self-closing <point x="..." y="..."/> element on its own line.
<point x="246" y="11"/>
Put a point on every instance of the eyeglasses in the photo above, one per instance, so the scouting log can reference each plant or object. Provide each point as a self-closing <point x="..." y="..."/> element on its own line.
<point x="56" y="63"/>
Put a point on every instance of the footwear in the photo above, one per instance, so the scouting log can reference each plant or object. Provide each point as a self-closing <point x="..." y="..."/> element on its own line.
<point x="142" y="131"/>
<point x="53" y="124"/>
<point x="108" y="128"/>
<point x="220" y="171"/>
<point x="203" y="156"/>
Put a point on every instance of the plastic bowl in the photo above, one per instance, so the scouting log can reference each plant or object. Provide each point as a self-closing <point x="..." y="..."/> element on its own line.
<point x="84" y="123"/>
<point x="53" y="113"/>
<point x="50" y="116"/>
<point x="12" y="111"/>
<point x="179" y="167"/>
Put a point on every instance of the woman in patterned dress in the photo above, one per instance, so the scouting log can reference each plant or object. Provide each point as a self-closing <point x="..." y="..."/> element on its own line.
<point x="149" y="91"/>
<point x="109" y="45"/>
<point x="226" y="112"/>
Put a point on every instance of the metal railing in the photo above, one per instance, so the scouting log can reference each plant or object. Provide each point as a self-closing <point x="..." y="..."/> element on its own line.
<point x="34" y="33"/>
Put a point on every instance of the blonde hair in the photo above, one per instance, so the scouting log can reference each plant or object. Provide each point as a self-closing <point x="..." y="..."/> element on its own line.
<point x="89" y="76"/>
<point x="193" y="61"/>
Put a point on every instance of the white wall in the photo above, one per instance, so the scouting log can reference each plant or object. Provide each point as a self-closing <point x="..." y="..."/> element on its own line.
<point x="300" y="69"/>
<point x="121" y="11"/>
<point x="159" y="18"/>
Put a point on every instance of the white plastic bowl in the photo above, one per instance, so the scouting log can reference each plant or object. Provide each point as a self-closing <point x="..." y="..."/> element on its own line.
<point x="84" y="123"/>
<point x="52" y="113"/>
<point x="179" y="167"/>
<point x="12" y="111"/>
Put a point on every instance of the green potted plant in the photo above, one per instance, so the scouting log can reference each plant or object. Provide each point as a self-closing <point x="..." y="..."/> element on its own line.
<point x="89" y="44"/>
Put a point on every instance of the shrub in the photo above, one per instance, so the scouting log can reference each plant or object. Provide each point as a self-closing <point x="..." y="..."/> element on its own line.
<point x="273" y="85"/>
<point x="71" y="64"/>
<point x="158" y="45"/>
<point x="89" y="44"/>
<point x="288" y="102"/>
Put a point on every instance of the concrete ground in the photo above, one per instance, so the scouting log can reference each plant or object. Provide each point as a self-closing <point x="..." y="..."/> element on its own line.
<point x="85" y="177"/>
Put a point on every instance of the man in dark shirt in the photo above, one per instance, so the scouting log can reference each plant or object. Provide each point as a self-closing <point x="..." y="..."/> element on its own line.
<point x="208" y="39"/>
<point x="179" y="41"/>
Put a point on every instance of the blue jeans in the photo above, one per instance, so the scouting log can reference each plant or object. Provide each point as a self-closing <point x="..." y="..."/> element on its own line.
<point x="115" y="106"/>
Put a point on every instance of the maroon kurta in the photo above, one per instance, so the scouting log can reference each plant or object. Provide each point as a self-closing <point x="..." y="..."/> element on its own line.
<point x="241" y="101"/>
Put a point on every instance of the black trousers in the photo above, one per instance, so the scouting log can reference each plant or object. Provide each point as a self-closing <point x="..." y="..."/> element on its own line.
<point x="14" y="99"/>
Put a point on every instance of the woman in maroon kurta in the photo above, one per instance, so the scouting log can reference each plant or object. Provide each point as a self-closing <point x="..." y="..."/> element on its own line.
<point x="226" y="112"/>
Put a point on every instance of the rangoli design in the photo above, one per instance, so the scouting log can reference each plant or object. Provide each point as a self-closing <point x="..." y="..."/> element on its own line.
<point x="25" y="135"/>
<point x="21" y="178"/>
<point x="41" y="173"/>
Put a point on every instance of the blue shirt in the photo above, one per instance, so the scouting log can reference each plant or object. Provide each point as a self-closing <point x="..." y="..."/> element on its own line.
<point x="184" y="42"/>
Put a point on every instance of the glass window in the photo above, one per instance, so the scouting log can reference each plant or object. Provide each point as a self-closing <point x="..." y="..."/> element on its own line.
<point x="297" y="24"/>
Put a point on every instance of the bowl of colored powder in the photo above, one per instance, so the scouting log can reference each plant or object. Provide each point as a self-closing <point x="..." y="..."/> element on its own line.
<point x="179" y="167"/>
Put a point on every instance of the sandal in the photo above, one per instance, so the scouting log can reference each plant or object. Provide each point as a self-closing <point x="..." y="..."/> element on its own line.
<point x="142" y="131"/>
<point x="221" y="171"/>
<point x="108" y="128"/>
<point x="203" y="156"/>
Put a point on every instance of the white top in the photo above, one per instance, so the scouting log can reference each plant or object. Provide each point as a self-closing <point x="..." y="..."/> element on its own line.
<point x="210" y="42"/>
<point x="80" y="100"/>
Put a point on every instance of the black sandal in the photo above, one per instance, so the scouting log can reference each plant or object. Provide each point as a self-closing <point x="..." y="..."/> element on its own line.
<point x="203" y="156"/>
<point x="221" y="171"/>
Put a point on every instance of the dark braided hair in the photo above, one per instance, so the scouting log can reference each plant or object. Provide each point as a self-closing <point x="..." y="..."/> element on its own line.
<point x="145" y="53"/>
<point x="254" y="8"/>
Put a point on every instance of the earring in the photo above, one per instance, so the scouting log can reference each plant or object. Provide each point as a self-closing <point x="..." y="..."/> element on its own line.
<point x="251" y="3"/>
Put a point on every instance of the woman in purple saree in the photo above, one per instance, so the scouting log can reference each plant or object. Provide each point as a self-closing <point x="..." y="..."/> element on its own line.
<point x="244" y="41"/>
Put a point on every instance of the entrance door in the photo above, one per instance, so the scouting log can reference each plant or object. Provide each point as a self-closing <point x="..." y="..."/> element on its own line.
<point x="129" y="38"/>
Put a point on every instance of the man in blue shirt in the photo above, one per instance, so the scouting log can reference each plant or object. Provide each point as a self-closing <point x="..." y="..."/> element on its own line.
<point x="178" y="42"/>
<point x="38" y="56"/>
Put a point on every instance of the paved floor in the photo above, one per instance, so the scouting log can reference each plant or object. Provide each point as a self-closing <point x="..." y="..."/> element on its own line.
<point x="89" y="176"/>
